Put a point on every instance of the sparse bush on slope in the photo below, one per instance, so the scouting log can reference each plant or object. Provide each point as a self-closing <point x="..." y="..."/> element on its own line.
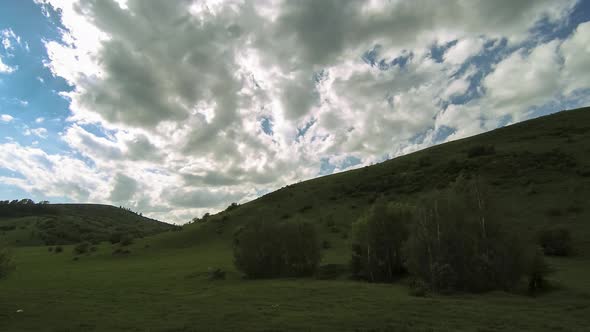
<point x="274" y="249"/>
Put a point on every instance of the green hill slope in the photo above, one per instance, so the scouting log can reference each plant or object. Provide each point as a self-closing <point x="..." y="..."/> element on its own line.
<point x="538" y="172"/>
<point x="49" y="224"/>
<point x="539" y="175"/>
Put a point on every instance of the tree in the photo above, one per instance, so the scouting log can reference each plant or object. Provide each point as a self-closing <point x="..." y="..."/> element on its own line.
<point x="271" y="249"/>
<point x="378" y="238"/>
<point x="456" y="242"/>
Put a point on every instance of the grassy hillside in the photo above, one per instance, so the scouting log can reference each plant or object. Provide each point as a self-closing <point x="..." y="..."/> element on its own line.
<point x="73" y="223"/>
<point x="539" y="175"/>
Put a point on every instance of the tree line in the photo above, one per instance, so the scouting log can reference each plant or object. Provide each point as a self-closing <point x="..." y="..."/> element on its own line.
<point x="25" y="207"/>
<point x="448" y="241"/>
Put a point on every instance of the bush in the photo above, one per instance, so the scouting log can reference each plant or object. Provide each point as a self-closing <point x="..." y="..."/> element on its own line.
<point x="538" y="270"/>
<point x="481" y="150"/>
<point x="215" y="274"/>
<point x="58" y="249"/>
<point x="556" y="241"/>
<point x="271" y="249"/>
<point x="6" y="264"/>
<point x="126" y="240"/>
<point x="332" y="271"/>
<point x="115" y="238"/>
<point x="326" y="244"/>
<point x="456" y="244"/>
<point x="378" y="238"/>
<point x="232" y="206"/>
<point x="82" y="248"/>
<point x="121" y="251"/>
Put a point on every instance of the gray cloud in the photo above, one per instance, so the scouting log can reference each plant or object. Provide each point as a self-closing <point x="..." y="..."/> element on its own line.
<point x="181" y="87"/>
<point x="124" y="188"/>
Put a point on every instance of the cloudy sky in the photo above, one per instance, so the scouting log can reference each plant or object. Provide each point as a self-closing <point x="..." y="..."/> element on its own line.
<point x="176" y="108"/>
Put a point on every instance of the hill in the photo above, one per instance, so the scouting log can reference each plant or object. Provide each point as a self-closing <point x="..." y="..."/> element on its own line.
<point x="538" y="173"/>
<point x="26" y="223"/>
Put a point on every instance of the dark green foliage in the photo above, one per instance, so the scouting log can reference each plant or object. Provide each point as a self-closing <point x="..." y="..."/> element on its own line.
<point x="556" y="241"/>
<point x="121" y="251"/>
<point x="232" y="206"/>
<point x="481" y="150"/>
<point x="538" y="270"/>
<point x="115" y="237"/>
<point x="6" y="263"/>
<point x="50" y="249"/>
<point x="273" y="249"/>
<point x="82" y="248"/>
<point x="25" y="207"/>
<point x="326" y="244"/>
<point x="378" y="238"/>
<point x="215" y="274"/>
<point x="332" y="271"/>
<point x="418" y="288"/>
<point x="58" y="249"/>
<point x="456" y="244"/>
<point x="126" y="240"/>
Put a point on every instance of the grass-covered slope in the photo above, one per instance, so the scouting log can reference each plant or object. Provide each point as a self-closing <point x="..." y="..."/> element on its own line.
<point x="539" y="175"/>
<point x="51" y="224"/>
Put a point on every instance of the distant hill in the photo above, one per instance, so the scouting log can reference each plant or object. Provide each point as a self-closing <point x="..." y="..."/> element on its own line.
<point x="28" y="224"/>
<point x="538" y="172"/>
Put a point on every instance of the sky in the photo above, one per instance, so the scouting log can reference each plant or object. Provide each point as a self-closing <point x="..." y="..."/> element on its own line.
<point x="177" y="108"/>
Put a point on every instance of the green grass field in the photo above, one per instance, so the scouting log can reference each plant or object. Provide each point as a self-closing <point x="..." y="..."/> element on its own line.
<point x="539" y="176"/>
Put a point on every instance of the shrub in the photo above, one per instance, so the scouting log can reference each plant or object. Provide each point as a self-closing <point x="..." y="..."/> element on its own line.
<point x="456" y="244"/>
<point x="538" y="270"/>
<point x="377" y="242"/>
<point x="556" y="241"/>
<point x="326" y="244"/>
<point x="58" y="249"/>
<point x="418" y="288"/>
<point x="81" y="248"/>
<point x="481" y="150"/>
<point x="331" y="271"/>
<point x="215" y="274"/>
<point x="121" y="251"/>
<point x="126" y="240"/>
<point x="270" y="249"/>
<point x="232" y="206"/>
<point x="50" y="249"/>
<point x="115" y="237"/>
<point x="6" y="263"/>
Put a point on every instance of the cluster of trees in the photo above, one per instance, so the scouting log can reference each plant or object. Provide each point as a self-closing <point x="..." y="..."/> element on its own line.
<point x="450" y="241"/>
<point x="25" y="207"/>
<point x="129" y="210"/>
<point x="267" y="249"/>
